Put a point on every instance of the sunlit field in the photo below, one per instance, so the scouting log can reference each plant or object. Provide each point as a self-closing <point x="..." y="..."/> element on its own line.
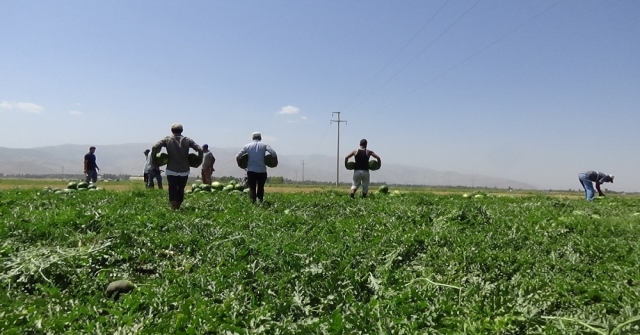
<point x="315" y="262"/>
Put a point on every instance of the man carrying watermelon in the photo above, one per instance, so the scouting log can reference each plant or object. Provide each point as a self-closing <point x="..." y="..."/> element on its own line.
<point x="256" y="167"/>
<point x="361" y="168"/>
<point x="90" y="166"/>
<point x="178" y="166"/>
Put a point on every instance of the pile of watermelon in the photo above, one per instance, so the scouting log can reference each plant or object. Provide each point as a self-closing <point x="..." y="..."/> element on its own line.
<point x="233" y="187"/>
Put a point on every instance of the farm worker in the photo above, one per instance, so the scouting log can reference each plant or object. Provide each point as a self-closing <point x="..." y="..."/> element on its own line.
<point x="178" y="168"/>
<point x="151" y="172"/>
<point x="207" y="165"/>
<point x="587" y="179"/>
<point x="256" y="168"/>
<point x="361" y="171"/>
<point x="90" y="166"/>
<point x="147" y="165"/>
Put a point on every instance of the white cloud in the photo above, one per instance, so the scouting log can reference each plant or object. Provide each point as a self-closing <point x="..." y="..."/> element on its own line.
<point x="27" y="107"/>
<point x="288" y="110"/>
<point x="303" y="117"/>
<point x="75" y="112"/>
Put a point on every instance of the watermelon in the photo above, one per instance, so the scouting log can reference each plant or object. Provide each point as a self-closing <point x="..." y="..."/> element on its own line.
<point x="194" y="160"/>
<point x="238" y="187"/>
<point x="217" y="186"/>
<point x="383" y="189"/>
<point x="162" y="159"/>
<point x="350" y="165"/>
<point x="82" y="185"/>
<point x="205" y="187"/>
<point x="270" y="161"/>
<point x="72" y="185"/>
<point x="92" y="186"/>
<point x="244" y="161"/>
<point x="373" y="165"/>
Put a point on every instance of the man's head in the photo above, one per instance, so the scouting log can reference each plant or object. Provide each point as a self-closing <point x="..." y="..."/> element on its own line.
<point x="256" y="136"/>
<point x="146" y="152"/>
<point x="205" y="147"/>
<point x="363" y="143"/>
<point x="610" y="178"/>
<point x="92" y="149"/>
<point x="176" y="128"/>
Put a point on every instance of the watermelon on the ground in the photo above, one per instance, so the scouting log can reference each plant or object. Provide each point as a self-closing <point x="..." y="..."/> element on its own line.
<point x="217" y="185"/>
<point x="383" y="189"/>
<point x="270" y="161"/>
<point x="162" y="159"/>
<point x="92" y="186"/>
<point x="72" y="185"/>
<point x="82" y="185"/>
<point x="244" y="161"/>
<point x="351" y="165"/>
<point x="206" y="187"/>
<point x="373" y="165"/>
<point x="238" y="187"/>
<point x="194" y="160"/>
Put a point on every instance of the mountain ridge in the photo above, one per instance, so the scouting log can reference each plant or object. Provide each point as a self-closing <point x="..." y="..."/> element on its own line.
<point x="129" y="159"/>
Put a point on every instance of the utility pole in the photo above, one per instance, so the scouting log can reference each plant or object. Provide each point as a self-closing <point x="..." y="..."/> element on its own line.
<point x="303" y="172"/>
<point x="338" y="121"/>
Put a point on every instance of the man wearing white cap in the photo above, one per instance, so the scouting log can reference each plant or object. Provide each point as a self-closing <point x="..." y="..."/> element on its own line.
<point x="256" y="168"/>
<point x="587" y="179"/>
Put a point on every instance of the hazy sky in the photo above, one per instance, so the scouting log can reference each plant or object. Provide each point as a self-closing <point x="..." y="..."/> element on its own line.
<point x="535" y="91"/>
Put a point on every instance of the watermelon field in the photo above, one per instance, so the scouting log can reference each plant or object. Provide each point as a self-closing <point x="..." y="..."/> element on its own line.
<point x="317" y="263"/>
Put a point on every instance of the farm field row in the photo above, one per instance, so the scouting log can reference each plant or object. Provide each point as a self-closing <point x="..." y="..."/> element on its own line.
<point x="318" y="263"/>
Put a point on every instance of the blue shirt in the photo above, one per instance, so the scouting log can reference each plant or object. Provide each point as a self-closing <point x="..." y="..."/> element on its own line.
<point x="256" y="150"/>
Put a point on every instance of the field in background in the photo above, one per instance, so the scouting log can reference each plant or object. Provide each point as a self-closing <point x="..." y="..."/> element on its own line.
<point x="9" y="183"/>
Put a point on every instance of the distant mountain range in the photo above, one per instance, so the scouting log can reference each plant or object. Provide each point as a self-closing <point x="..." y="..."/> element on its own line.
<point x="129" y="159"/>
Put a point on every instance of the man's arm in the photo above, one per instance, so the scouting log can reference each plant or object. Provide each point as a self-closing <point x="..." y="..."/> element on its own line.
<point x="155" y="149"/>
<point x="196" y="147"/>
<point x="346" y="158"/>
<point x="242" y="152"/>
<point x="376" y="157"/>
<point x="598" y="188"/>
<point x="271" y="151"/>
<point x="213" y="161"/>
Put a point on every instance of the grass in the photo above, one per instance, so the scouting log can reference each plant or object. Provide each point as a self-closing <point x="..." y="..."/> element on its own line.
<point x="318" y="263"/>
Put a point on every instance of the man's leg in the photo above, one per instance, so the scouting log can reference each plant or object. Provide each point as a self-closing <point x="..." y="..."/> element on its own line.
<point x="158" y="176"/>
<point x="262" y="179"/>
<point x="150" y="179"/>
<point x="172" y="181"/>
<point x="252" y="180"/>
<point x="365" y="183"/>
<point x="146" y="177"/>
<point x="356" y="183"/>
<point x="93" y="176"/>
<point x="589" y="192"/>
<point x="182" y="183"/>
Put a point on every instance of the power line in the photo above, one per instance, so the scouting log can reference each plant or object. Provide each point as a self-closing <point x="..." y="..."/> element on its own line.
<point x="419" y="54"/>
<point x="396" y="55"/>
<point x="475" y="54"/>
<point x="338" y="121"/>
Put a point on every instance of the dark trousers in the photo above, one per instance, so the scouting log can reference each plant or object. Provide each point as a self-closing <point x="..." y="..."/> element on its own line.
<point x="146" y="177"/>
<point x="176" y="187"/>
<point x="256" y="181"/>
<point x="154" y="174"/>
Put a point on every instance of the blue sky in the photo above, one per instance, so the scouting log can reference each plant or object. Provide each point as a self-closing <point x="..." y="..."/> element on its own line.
<point x="535" y="91"/>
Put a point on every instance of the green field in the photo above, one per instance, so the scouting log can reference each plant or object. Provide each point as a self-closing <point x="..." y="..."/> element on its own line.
<point x="318" y="263"/>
